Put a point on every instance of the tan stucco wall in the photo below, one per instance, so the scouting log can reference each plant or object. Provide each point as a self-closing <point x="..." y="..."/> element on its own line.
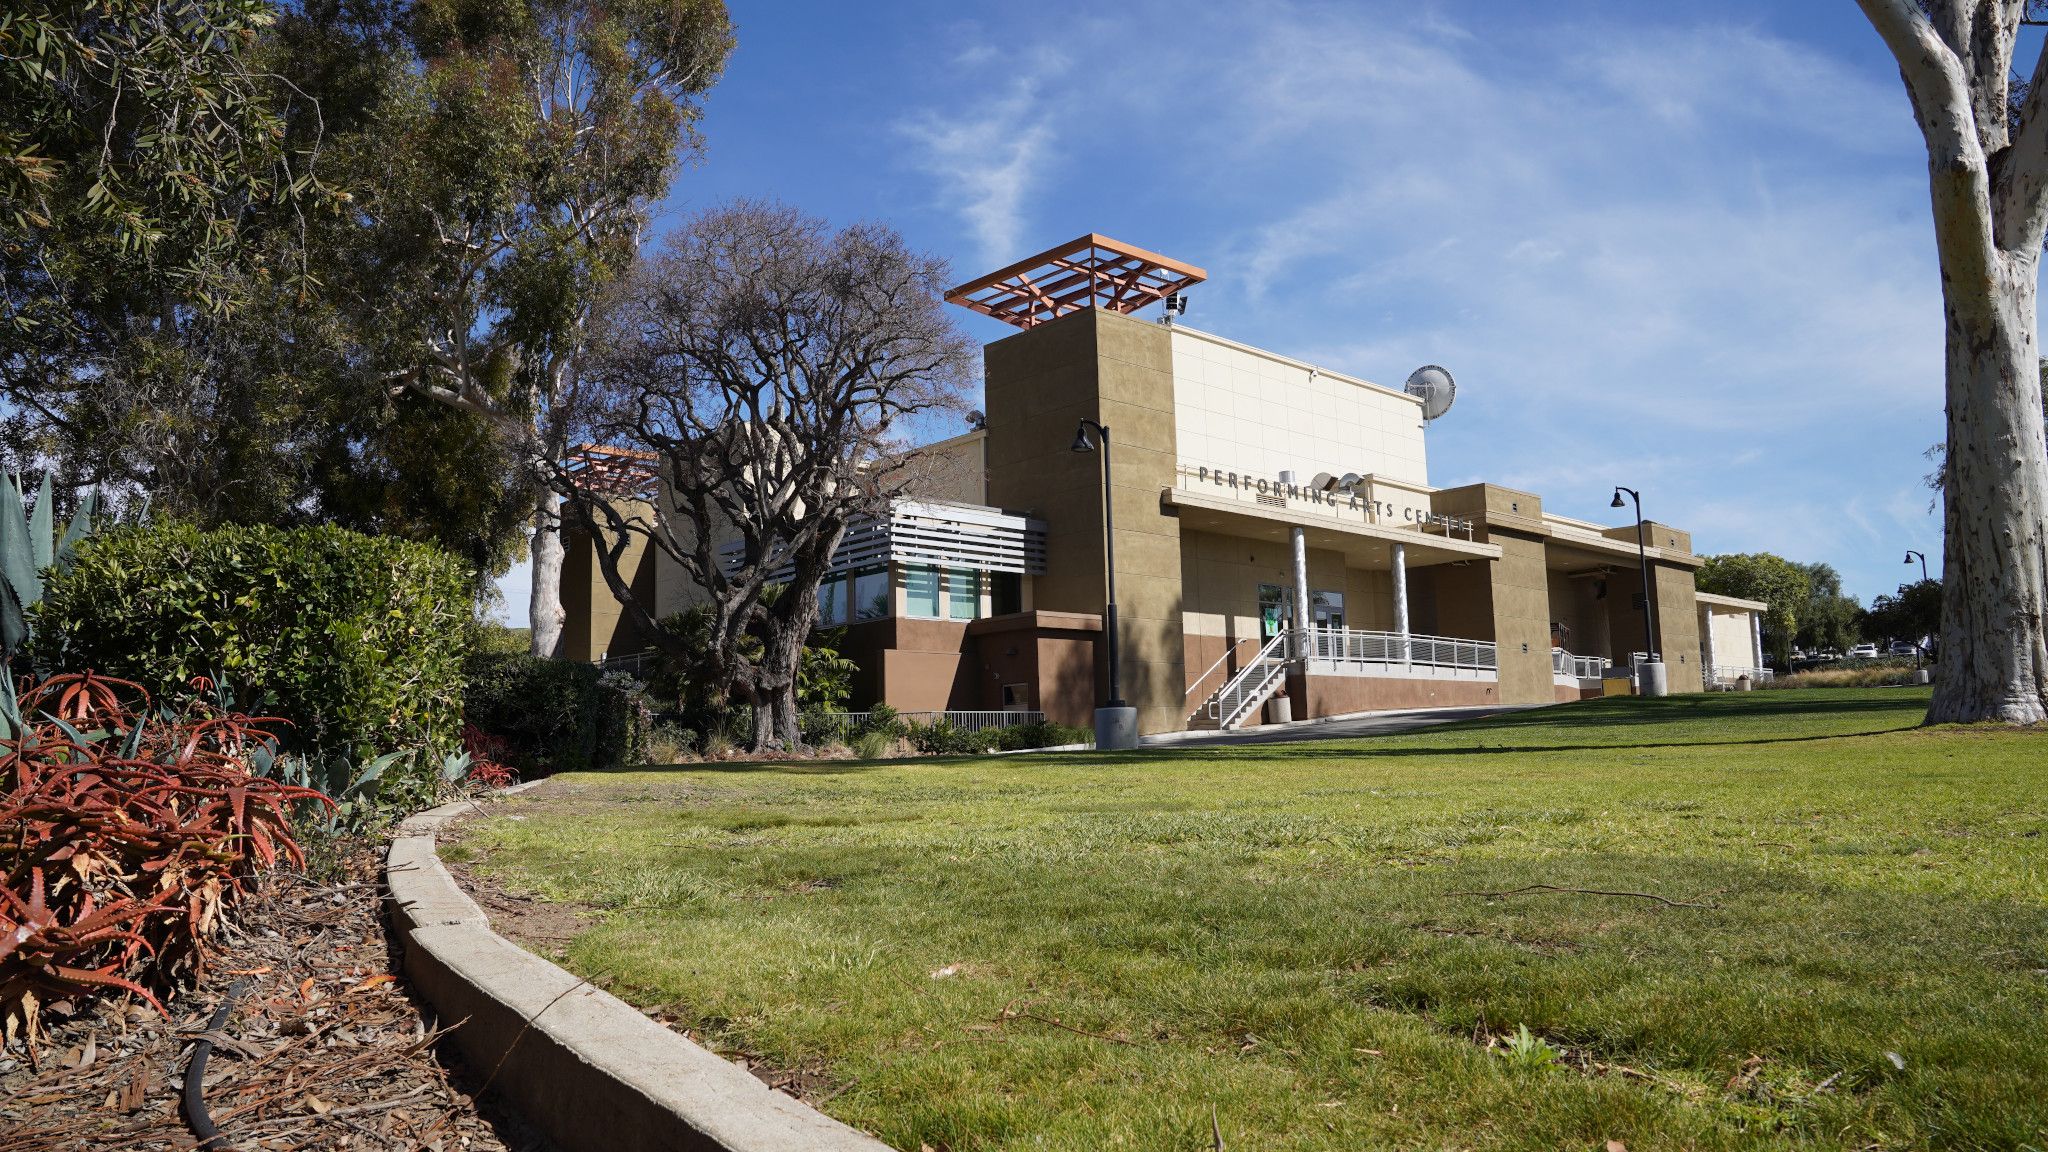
<point x="1118" y="371"/>
<point x="1521" y="618"/>
<point x="594" y="623"/>
<point x="955" y="469"/>
<point x="1678" y="626"/>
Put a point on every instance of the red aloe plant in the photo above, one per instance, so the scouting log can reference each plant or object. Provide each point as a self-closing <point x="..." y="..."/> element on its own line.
<point x="487" y="756"/>
<point x="123" y="832"/>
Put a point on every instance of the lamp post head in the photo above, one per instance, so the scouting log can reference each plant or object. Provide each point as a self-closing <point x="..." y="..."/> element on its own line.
<point x="1909" y="557"/>
<point x="1617" y="500"/>
<point x="1081" y="441"/>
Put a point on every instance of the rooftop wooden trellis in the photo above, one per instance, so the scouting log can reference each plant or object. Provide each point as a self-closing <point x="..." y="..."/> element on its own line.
<point x="608" y="471"/>
<point x="1091" y="272"/>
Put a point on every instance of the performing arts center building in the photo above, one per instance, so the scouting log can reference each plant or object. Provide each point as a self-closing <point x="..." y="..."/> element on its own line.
<point x="1269" y="525"/>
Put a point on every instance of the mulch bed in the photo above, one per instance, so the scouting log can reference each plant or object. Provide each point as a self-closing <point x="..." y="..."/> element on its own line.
<point x="325" y="1050"/>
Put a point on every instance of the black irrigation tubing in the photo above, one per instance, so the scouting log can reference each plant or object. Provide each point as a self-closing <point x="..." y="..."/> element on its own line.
<point x="196" y="1115"/>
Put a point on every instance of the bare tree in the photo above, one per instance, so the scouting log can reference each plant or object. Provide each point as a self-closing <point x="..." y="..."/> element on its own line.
<point x="525" y="204"/>
<point x="1988" y="175"/>
<point x="766" y="363"/>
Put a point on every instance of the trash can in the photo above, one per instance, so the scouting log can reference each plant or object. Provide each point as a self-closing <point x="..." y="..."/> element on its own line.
<point x="1742" y="683"/>
<point x="1279" y="710"/>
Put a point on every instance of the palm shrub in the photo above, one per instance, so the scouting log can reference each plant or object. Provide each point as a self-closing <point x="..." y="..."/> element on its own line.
<point x="356" y="642"/>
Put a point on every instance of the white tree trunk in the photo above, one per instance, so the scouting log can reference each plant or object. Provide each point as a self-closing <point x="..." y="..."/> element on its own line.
<point x="1989" y="184"/>
<point x="544" y="602"/>
<point x="1994" y="655"/>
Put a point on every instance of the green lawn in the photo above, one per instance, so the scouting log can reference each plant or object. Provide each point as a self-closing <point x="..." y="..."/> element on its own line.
<point x="1096" y="951"/>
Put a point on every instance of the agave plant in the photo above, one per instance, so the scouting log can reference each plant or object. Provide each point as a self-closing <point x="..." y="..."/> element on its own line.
<point x="28" y="545"/>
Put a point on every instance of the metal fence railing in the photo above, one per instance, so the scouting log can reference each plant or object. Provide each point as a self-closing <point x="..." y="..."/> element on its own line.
<point x="1352" y="646"/>
<point x="1563" y="663"/>
<point x="1730" y="673"/>
<point x="844" y="722"/>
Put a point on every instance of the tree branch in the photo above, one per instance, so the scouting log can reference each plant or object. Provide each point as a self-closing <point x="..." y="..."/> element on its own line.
<point x="2019" y="196"/>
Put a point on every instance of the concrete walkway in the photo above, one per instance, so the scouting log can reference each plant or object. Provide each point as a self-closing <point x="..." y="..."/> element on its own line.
<point x="1346" y="727"/>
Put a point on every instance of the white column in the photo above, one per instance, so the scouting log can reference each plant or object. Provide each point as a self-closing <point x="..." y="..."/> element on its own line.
<point x="1707" y="638"/>
<point x="1301" y="616"/>
<point x="1401" y="602"/>
<point x="1756" y="635"/>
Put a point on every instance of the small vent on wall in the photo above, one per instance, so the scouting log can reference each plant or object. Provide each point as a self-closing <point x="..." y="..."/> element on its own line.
<point x="1273" y="501"/>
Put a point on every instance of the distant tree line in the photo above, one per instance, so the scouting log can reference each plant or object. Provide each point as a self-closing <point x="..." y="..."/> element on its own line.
<point x="1808" y="610"/>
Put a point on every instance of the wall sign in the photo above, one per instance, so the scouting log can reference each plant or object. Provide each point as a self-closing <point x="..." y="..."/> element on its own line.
<point x="1267" y="490"/>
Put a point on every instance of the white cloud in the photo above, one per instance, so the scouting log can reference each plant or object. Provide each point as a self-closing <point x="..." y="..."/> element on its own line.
<point x="1690" y="257"/>
<point x="990" y="154"/>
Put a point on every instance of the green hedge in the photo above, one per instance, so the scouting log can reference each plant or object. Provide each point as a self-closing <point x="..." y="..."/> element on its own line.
<point x="558" y="716"/>
<point x="358" y="641"/>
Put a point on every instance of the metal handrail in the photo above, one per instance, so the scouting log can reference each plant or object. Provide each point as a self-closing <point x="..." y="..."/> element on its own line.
<point x="1563" y="663"/>
<point x="1235" y="644"/>
<point x="966" y="720"/>
<point x="1352" y="646"/>
<point x="1247" y="688"/>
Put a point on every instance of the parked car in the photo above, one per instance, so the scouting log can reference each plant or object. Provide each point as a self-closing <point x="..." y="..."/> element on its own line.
<point x="1901" y="648"/>
<point x="1863" y="652"/>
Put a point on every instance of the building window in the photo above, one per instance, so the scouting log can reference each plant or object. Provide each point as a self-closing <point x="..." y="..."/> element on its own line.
<point x="963" y="593"/>
<point x="832" y="602"/>
<point x="1005" y="593"/>
<point x="871" y="594"/>
<point x="1016" y="697"/>
<point x="921" y="591"/>
<point x="1328" y="609"/>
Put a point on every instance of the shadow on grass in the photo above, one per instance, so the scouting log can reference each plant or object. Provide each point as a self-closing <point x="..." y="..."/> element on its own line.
<point x="1602" y="714"/>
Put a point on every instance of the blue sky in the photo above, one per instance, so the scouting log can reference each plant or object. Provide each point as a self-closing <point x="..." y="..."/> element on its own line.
<point x="1676" y="247"/>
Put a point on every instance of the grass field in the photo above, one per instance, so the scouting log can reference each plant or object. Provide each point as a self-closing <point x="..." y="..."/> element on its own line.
<point x="1292" y="946"/>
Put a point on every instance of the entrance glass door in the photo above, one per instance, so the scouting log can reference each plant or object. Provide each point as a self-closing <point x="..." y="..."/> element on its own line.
<point x="1276" y="605"/>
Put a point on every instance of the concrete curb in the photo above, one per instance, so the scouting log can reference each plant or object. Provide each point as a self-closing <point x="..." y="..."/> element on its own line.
<point x="582" y="1066"/>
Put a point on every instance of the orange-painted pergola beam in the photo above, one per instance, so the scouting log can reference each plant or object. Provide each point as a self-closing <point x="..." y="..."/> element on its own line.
<point x="609" y="471"/>
<point x="1092" y="271"/>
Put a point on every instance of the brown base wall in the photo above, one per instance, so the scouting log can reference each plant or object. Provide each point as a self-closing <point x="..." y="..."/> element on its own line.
<point x="1337" y="695"/>
<point x="1567" y="694"/>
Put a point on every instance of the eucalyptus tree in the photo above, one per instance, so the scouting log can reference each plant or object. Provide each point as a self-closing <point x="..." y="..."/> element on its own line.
<point x="509" y="181"/>
<point x="767" y="366"/>
<point x="143" y="143"/>
<point x="1987" y="161"/>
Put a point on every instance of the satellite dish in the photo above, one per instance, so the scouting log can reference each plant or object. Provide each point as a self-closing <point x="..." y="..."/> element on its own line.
<point x="1434" y="387"/>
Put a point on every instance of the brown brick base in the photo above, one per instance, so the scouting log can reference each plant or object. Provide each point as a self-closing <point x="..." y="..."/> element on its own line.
<point x="1337" y="695"/>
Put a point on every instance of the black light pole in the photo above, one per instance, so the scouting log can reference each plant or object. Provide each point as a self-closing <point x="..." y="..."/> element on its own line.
<point x="1918" y="652"/>
<point x="1082" y="444"/>
<point x="1642" y="558"/>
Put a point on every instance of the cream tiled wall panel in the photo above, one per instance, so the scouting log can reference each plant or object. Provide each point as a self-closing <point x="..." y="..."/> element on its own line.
<point x="1243" y="410"/>
<point x="1733" y="645"/>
